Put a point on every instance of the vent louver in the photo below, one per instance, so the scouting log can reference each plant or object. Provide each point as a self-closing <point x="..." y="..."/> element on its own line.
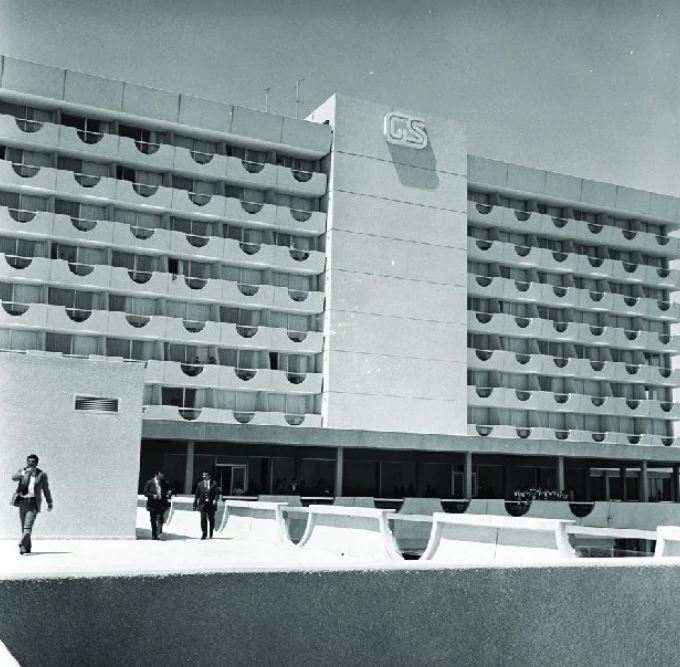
<point x="96" y="404"/>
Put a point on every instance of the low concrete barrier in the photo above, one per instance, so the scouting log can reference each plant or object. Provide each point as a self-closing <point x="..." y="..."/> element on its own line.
<point x="475" y="539"/>
<point x="495" y="506"/>
<point x="358" y="532"/>
<point x="291" y="501"/>
<point x="550" y="509"/>
<point x="667" y="541"/>
<point x="258" y="521"/>
<point x="354" y="501"/>
<point x="421" y="506"/>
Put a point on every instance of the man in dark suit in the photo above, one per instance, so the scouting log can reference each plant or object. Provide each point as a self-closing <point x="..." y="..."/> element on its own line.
<point x="207" y="496"/>
<point x="32" y="485"/>
<point x="158" y="493"/>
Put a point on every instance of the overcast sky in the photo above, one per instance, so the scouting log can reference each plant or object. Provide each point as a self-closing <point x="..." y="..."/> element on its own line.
<point x="585" y="87"/>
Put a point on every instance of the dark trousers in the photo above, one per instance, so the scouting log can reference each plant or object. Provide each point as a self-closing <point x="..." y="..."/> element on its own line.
<point x="207" y="517"/>
<point x="28" y="511"/>
<point x="156" y="517"/>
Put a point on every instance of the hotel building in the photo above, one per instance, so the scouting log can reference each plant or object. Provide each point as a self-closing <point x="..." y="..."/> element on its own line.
<point x="350" y="300"/>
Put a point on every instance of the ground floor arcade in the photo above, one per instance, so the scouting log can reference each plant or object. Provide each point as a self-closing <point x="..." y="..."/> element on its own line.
<point x="251" y="469"/>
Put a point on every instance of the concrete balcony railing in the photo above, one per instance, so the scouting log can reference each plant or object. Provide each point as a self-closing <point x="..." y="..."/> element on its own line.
<point x="227" y="416"/>
<point x="88" y="143"/>
<point x="583" y="334"/>
<point x="546" y="401"/>
<point x="508" y="254"/>
<point x="569" y="435"/>
<point x="523" y="363"/>
<point x="27" y="177"/>
<point x="141" y="240"/>
<point x="24" y="223"/>
<point x="34" y="134"/>
<point x="563" y="228"/>
<point x="179" y="374"/>
<point x="199" y="164"/>
<point x="508" y="289"/>
<point x="146" y="154"/>
<point x="23" y="315"/>
<point x="300" y="183"/>
<point x="259" y="175"/>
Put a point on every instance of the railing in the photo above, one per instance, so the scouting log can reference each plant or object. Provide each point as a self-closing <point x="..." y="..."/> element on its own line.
<point x="247" y="289"/>
<point x="83" y="224"/>
<point x="252" y="167"/>
<point x="245" y="374"/>
<point x="25" y="170"/>
<point x="201" y="157"/>
<point x="19" y="261"/>
<point x="28" y="124"/>
<point x="78" y="314"/>
<point x="89" y="136"/>
<point x="147" y="147"/>
<point x="21" y="214"/>
<point x="15" y="308"/>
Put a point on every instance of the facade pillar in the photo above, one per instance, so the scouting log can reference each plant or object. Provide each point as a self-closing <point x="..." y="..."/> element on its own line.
<point x="561" y="477"/>
<point x="675" y="480"/>
<point x="467" y="491"/>
<point x="644" y="482"/>
<point x="622" y="476"/>
<point x="189" y="467"/>
<point x="339" y="465"/>
<point x="607" y="492"/>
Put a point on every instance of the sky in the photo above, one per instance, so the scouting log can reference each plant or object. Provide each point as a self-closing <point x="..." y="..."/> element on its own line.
<point x="584" y="87"/>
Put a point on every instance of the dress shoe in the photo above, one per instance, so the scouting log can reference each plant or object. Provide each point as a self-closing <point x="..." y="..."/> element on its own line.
<point x="202" y="537"/>
<point x="22" y="549"/>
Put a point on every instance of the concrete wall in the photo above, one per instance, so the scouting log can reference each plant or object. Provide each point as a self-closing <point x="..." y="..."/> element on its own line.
<point x="92" y="459"/>
<point x="395" y="355"/>
<point x="604" y="613"/>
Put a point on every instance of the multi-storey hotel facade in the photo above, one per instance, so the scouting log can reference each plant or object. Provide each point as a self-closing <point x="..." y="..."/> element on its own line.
<point x="350" y="301"/>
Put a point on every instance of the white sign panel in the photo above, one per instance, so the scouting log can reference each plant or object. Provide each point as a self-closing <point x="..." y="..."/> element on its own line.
<point x="403" y="130"/>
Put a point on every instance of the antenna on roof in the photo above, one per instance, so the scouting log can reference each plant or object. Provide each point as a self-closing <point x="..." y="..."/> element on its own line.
<point x="266" y="99"/>
<point x="297" y="97"/>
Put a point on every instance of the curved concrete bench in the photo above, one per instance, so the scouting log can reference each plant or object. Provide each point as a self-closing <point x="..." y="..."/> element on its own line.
<point x="460" y="538"/>
<point x="352" y="501"/>
<point x="667" y="541"/>
<point x="358" y="532"/>
<point x="257" y="521"/>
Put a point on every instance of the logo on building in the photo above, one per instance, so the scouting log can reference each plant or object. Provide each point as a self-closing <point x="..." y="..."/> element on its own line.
<point x="403" y="130"/>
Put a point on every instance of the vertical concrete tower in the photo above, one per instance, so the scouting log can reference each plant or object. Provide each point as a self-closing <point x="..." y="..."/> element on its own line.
<point x="395" y="345"/>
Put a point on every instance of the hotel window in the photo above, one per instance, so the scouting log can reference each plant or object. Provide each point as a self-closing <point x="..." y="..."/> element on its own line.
<point x="21" y="207"/>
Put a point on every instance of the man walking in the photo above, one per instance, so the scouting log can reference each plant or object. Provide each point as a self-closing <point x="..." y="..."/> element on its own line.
<point x="206" y="499"/>
<point x="32" y="485"/>
<point x="158" y="494"/>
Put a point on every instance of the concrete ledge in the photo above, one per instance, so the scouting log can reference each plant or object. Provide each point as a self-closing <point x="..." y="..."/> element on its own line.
<point x="474" y="539"/>
<point x="527" y="616"/>
<point x="258" y="521"/>
<point x="357" y="532"/>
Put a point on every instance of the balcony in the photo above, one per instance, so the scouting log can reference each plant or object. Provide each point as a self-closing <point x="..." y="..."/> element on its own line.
<point x="24" y="223"/>
<point x="298" y="301"/>
<point x="200" y="164"/>
<point x="85" y="185"/>
<point x="77" y="320"/>
<point x="218" y="416"/>
<point x="28" y="176"/>
<point x="300" y="183"/>
<point x="195" y="246"/>
<point x="23" y="315"/>
<point x="24" y="269"/>
<point x="83" y="231"/>
<point x="142" y="194"/>
<point x="87" y="142"/>
<point x="563" y="228"/>
<point x="145" y="154"/>
<point x="197" y="202"/>
<point x="27" y="133"/>
<point x="192" y="332"/>
<point x="194" y="288"/>
<point x="259" y="175"/>
<point x="141" y="239"/>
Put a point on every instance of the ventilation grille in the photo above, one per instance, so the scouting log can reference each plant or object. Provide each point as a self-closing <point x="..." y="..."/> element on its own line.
<point x="96" y="404"/>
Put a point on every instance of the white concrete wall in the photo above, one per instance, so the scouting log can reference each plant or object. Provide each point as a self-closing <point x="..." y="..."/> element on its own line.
<point x="395" y="347"/>
<point x="92" y="459"/>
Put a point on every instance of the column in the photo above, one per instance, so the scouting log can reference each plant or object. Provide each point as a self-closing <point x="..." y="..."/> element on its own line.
<point x="675" y="479"/>
<point x="468" y="476"/>
<point x="607" y="492"/>
<point x="339" y="464"/>
<point x="189" y="467"/>
<point x="644" y="482"/>
<point x="561" y="478"/>
<point x="622" y="476"/>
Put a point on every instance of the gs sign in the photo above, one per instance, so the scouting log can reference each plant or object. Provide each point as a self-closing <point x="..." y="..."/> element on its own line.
<point x="403" y="130"/>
